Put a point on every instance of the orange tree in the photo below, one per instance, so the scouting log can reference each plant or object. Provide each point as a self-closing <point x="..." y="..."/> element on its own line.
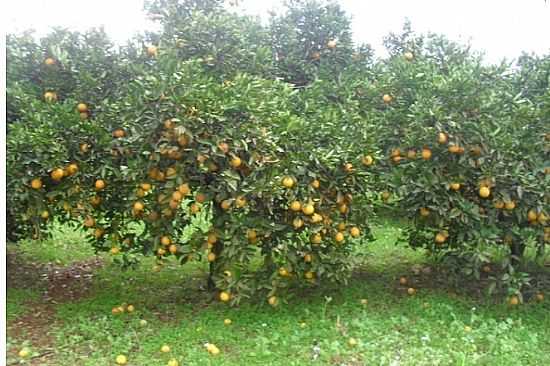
<point x="465" y="153"/>
<point x="278" y="180"/>
<point x="80" y="68"/>
<point x="311" y="40"/>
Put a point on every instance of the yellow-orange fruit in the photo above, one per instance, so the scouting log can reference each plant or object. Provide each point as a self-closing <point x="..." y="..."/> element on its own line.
<point x="82" y="108"/>
<point x="57" y="174"/>
<point x="36" y="183"/>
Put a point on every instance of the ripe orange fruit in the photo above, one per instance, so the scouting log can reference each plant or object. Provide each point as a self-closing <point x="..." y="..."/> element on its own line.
<point x="316" y="238"/>
<point x="426" y="153"/>
<point x="513" y="300"/>
<point x="226" y="205"/>
<point x="49" y="61"/>
<point x="45" y="214"/>
<point x="411" y="291"/>
<point x="50" y="96"/>
<point x="295" y="206"/>
<point x="99" y="184"/>
<point x="315" y="184"/>
<point x="225" y="296"/>
<point x="454" y="149"/>
<point x="251" y="234"/>
<point x="165" y="240"/>
<point x="36" y="183"/>
<point x="119" y="133"/>
<point x="200" y="197"/>
<point x="484" y="192"/>
<point x="348" y="167"/>
<point x="184" y="189"/>
<point x="424" y="212"/>
<point x="309" y="275"/>
<point x="367" y="160"/>
<point x="283" y="272"/>
<point x="387" y="98"/>
<point x="82" y="108"/>
<point x="339" y="237"/>
<point x="114" y="251"/>
<point x="161" y="251"/>
<point x="315" y="218"/>
<point x="212" y="349"/>
<point x="343" y="208"/>
<point x="411" y="154"/>
<point x="308" y="209"/>
<point x="24" y="352"/>
<point x="72" y="169"/>
<point x="152" y="51"/>
<point x="240" y="202"/>
<point x="316" y="56"/>
<point x="455" y="186"/>
<point x="331" y="44"/>
<point x="499" y="204"/>
<point x="509" y="205"/>
<point x="89" y="222"/>
<point x="140" y="192"/>
<point x="440" y="238"/>
<point x="84" y="147"/>
<point x="98" y="232"/>
<point x="177" y="196"/>
<point x="165" y="348"/>
<point x="235" y="162"/>
<point x="539" y="297"/>
<point x="341" y="226"/>
<point x="543" y="218"/>
<point x="138" y="206"/>
<point x="273" y="301"/>
<point x="121" y="360"/>
<point x="212" y="238"/>
<point x="288" y="182"/>
<point x="194" y="208"/>
<point x="442" y="138"/>
<point x="408" y="56"/>
<point x="397" y="159"/>
<point x="57" y="174"/>
<point x="403" y="280"/>
<point x="355" y="232"/>
<point x="352" y="342"/>
<point x="297" y="223"/>
<point x="308" y="258"/>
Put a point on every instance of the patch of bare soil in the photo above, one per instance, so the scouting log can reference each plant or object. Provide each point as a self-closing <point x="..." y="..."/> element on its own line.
<point x="457" y="284"/>
<point x="57" y="284"/>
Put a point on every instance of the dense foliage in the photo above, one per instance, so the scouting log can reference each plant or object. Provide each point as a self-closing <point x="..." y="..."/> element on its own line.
<point x="263" y="148"/>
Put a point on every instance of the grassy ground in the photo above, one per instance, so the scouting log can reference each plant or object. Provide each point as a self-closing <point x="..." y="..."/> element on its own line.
<point x="437" y="326"/>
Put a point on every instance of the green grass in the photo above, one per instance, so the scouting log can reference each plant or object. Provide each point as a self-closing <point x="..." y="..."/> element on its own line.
<point x="65" y="245"/>
<point x="393" y="328"/>
<point x="18" y="300"/>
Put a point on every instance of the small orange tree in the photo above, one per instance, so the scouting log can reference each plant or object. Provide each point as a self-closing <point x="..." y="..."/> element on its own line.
<point x="466" y="154"/>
